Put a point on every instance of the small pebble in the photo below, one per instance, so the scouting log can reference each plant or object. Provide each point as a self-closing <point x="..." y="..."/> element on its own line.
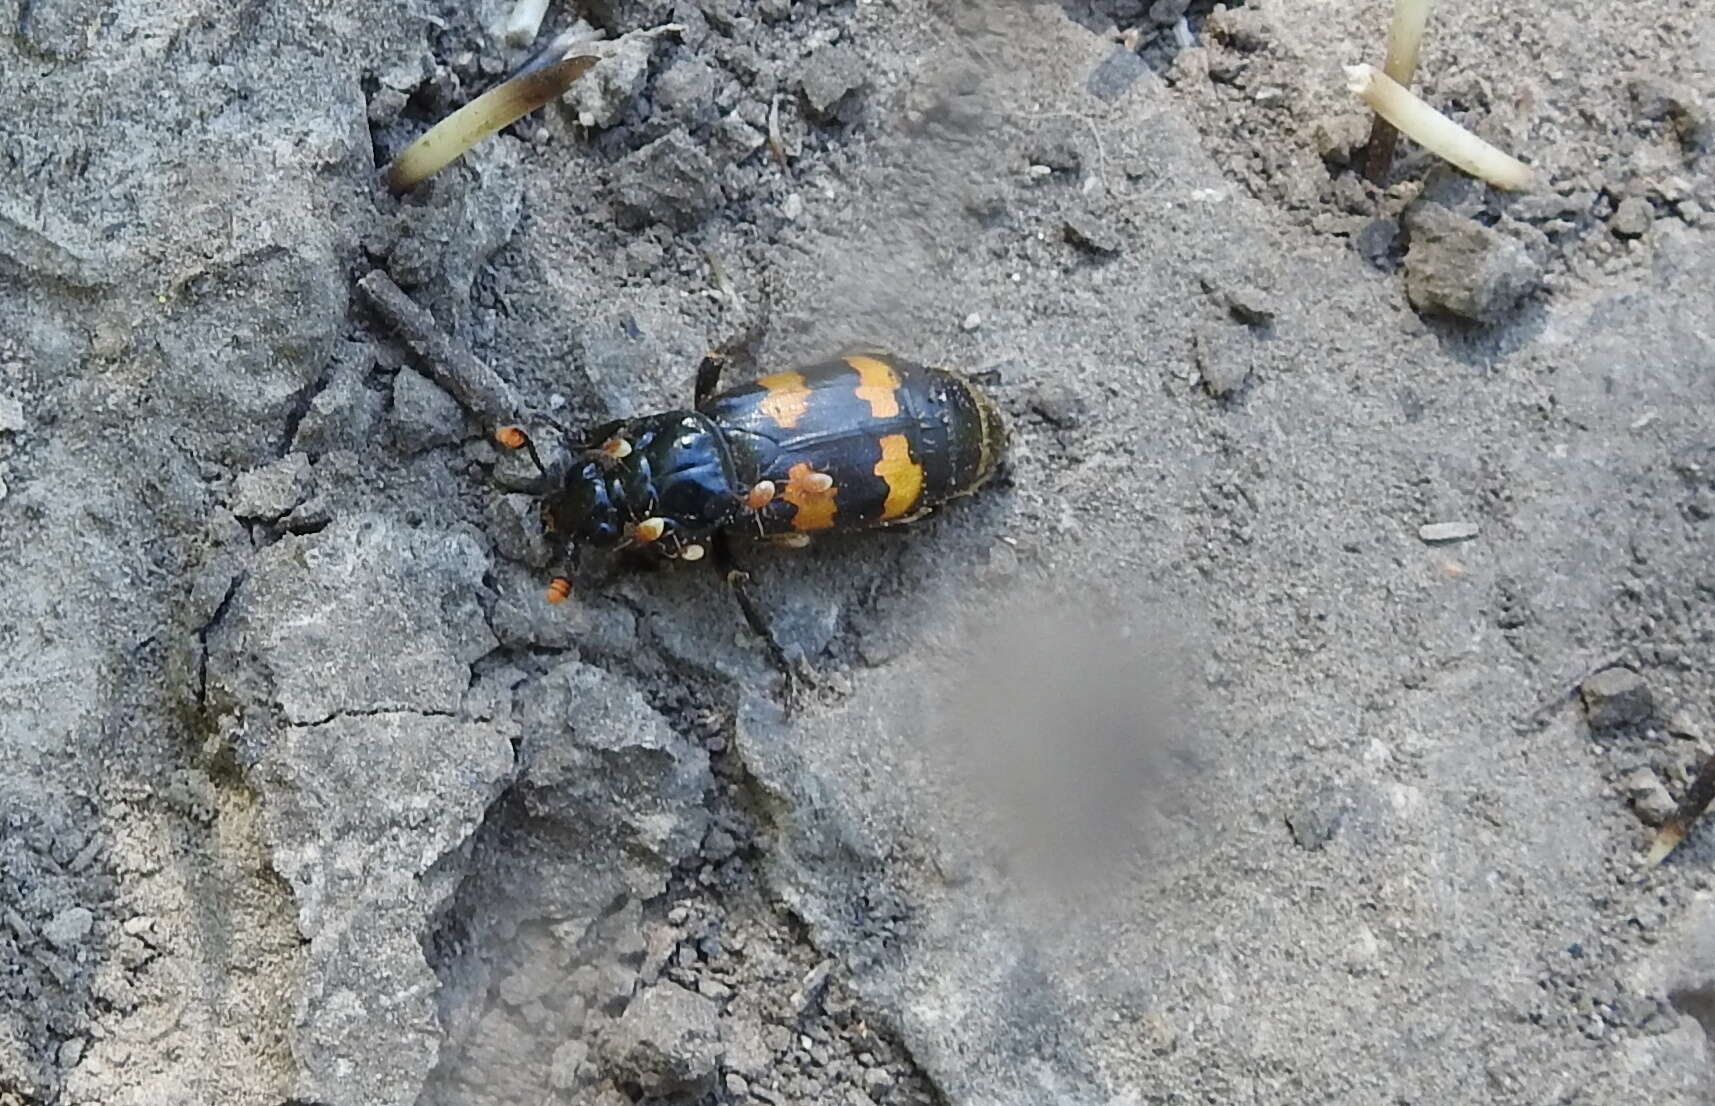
<point x="1438" y="532"/>
<point x="1649" y="797"/>
<point x="136" y="927"/>
<point x="1632" y="218"/>
<point x="1088" y="234"/>
<point x="1037" y="172"/>
<point x="70" y="1052"/>
<point x="68" y="928"/>
<point x="736" y="1087"/>
<point x="971" y="322"/>
<point x="1116" y="74"/>
<point x="11" y="415"/>
<point x="1457" y="266"/>
<point x="1250" y="305"/>
<point x="1316" y="819"/>
<point x="1682" y="725"/>
<point x="719" y="844"/>
<point x="274" y="489"/>
<point x="792" y="207"/>
<point x="1616" y="697"/>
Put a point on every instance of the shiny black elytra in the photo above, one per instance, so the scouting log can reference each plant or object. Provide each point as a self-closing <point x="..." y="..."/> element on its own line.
<point x="844" y="444"/>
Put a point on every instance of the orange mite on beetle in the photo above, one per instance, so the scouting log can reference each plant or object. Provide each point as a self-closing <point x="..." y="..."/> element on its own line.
<point x="845" y="444"/>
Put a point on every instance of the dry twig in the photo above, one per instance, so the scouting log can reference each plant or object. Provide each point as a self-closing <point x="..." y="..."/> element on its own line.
<point x="453" y="367"/>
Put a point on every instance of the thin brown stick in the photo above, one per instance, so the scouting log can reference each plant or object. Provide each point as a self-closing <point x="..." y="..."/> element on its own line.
<point x="1404" y="39"/>
<point x="453" y="367"/>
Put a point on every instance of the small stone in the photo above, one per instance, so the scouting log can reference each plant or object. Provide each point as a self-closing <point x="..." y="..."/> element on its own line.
<point x="386" y="105"/>
<point x="671" y="181"/>
<point x="1632" y="218"/>
<point x="138" y="926"/>
<point x="11" y="415"/>
<point x="719" y="845"/>
<point x="1376" y="240"/>
<point x="1316" y="819"/>
<point x="424" y="416"/>
<point x="831" y="74"/>
<point x="736" y="139"/>
<point x="1223" y="363"/>
<point x="971" y="322"/>
<point x="713" y="989"/>
<point x="809" y="993"/>
<point x="313" y="514"/>
<point x="877" y="1082"/>
<point x="1456" y="266"/>
<point x="1682" y="725"/>
<point x="1244" y="29"/>
<point x="1115" y="75"/>
<point x="1649" y="797"/>
<point x="271" y="491"/>
<point x="1250" y="305"/>
<point x="1435" y="533"/>
<point x="70" y="1052"/>
<point x="667" y="1042"/>
<point x="67" y="929"/>
<point x="687" y="92"/>
<point x="736" y="1087"/>
<point x="600" y="97"/>
<point x="792" y="207"/>
<point x="1087" y="233"/>
<point x="1616" y="697"/>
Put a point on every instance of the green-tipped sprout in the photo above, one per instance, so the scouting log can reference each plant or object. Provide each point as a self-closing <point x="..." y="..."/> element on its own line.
<point x="499" y="107"/>
<point x="1435" y="132"/>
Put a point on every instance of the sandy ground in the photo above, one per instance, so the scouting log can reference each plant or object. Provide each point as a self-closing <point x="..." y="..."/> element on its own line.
<point x="1177" y="767"/>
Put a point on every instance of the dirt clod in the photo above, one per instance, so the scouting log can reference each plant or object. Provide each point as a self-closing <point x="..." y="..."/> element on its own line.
<point x="666" y="1042"/>
<point x="1456" y="266"/>
<point x="1615" y="698"/>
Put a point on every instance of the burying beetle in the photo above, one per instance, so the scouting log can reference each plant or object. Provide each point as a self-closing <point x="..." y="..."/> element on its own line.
<point x="850" y="443"/>
<point x="845" y="444"/>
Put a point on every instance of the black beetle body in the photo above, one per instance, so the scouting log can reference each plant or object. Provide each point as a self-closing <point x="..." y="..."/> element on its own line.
<point x="843" y="444"/>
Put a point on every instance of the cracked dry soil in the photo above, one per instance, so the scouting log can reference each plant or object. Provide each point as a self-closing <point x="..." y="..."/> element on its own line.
<point x="1182" y="765"/>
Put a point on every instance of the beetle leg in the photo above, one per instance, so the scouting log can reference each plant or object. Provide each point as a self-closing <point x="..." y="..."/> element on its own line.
<point x="739" y="581"/>
<point x="708" y="377"/>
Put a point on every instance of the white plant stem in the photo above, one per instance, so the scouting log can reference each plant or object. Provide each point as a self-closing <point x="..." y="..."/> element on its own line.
<point x="1434" y="131"/>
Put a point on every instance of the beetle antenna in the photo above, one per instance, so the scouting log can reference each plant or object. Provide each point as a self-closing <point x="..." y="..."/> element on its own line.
<point x="513" y="437"/>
